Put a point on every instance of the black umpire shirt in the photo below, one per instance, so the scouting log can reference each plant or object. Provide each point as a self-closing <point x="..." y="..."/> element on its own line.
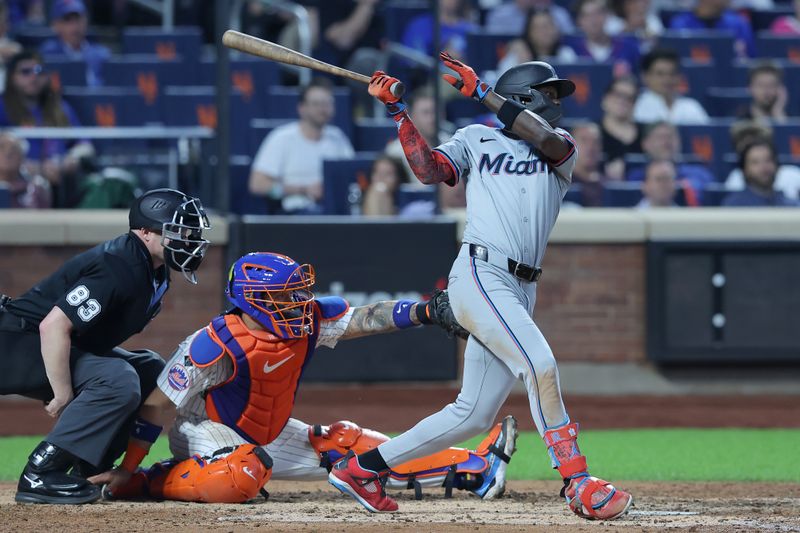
<point x="109" y="293"/>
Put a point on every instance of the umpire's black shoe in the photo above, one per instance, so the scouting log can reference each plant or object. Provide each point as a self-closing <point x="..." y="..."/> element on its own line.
<point x="45" y="479"/>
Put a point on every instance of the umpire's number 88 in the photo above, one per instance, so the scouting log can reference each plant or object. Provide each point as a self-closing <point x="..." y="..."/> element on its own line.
<point x="87" y="311"/>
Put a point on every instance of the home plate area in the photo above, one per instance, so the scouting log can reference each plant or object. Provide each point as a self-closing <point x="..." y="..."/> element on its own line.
<point x="527" y="506"/>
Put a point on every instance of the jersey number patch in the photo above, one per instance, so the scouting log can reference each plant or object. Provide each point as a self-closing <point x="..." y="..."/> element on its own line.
<point x="88" y="310"/>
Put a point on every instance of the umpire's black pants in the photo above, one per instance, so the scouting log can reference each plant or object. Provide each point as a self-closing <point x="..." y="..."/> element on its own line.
<point x="108" y="388"/>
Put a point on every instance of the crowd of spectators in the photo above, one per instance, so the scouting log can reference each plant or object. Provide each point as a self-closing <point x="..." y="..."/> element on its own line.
<point x="635" y="139"/>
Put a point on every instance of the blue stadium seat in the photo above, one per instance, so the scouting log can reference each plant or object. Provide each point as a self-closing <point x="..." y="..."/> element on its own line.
<point x="181" y="41"/>
<point x="252" y="77"/>
<point x="697" y="78"/>
<point x="242" y="202"/>
<point x="714" y="194"/>
<point x="66" y="72"/>
<point x="778" y="47"/>
<point x="282" y="103"/>
<point x="148" y="72"/>
<point x="399" y="13"/>
<point x="112" y="106"/>
<point x="591" y="80"/>
<point x="727" y="102"/>
<point x="485" y="50"/>
<point x="710" y="47"/>
<point x="259" y="129"/>
<point x="463" y="108"/>
<point x="5" y="196"/>
<point x="762" y="19"/>
<point x="787" y="138"/>
<point x="372" y="135"/>
<point x="622" y="194"/>
<point x="707" y="143"/>
<point x="407" y="194"/>
<point x="196" y="106"/>
<point x="337" y="176"/>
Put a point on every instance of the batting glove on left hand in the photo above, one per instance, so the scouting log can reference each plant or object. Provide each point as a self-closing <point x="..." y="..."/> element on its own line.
<point x="380" y="86"/>
<point x="469" y="84"/>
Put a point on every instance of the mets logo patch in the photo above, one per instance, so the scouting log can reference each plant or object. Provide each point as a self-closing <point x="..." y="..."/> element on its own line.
<point x="178" y="378"/>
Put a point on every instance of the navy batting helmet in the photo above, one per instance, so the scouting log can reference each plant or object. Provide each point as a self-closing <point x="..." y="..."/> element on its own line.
<point x="520" y="84"/>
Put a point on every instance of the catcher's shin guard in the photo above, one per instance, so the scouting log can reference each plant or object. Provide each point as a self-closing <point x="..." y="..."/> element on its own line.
<point x="587" y="496"/>
<point x="231" y="475"/>
<point x="334" y="441"/>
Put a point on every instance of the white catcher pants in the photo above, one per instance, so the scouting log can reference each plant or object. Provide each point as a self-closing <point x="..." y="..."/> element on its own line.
<point x="505" y="345"/>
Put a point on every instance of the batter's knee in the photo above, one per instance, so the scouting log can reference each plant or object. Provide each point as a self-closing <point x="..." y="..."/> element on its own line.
<point x="546" y="368"/>
<point x="471" y="419"/>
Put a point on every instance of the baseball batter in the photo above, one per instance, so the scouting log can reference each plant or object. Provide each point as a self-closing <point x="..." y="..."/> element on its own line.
<point x="234" y="383"/>
<point x="516" y="178"/>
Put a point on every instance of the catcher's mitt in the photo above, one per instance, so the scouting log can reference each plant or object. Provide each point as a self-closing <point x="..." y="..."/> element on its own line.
<point x="437" y="311"/>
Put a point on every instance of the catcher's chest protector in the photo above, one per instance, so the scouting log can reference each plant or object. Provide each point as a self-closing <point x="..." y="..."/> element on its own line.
<point x="257" y="400"/>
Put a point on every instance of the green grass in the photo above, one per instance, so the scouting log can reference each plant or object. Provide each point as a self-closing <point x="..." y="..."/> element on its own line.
<point x="641" y="454"/>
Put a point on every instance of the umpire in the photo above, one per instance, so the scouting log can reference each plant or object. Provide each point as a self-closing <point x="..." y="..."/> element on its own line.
<point x="58" y="343"/>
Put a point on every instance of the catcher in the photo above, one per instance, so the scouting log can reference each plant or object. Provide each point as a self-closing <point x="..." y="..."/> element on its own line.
<point x="234" y="383"/>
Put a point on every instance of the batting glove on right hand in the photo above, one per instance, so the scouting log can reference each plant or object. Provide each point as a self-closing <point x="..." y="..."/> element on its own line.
<point x="380" y="86"/>
<point x="438" y="311"/>
<point x="468" y="84"/>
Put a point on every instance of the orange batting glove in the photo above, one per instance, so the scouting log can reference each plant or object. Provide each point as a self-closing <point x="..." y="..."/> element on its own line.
<point x="469" y="85"/>
<point x="380" y="87"/>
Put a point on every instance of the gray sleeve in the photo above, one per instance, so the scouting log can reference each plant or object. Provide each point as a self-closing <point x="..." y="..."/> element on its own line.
<point x="456" y="150"/>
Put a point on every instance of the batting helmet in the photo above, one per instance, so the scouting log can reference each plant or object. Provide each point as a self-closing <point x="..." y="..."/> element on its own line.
<point x="520" y="84"/>
<point x="274" y="290"/>
<point x="180" y="220"/>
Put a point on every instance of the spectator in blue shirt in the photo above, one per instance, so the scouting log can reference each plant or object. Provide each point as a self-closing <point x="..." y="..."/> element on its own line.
<point x="759" y="164"/>
<point x="595" y="42"/>
<point x="455" y="24"/>
<point x="30" y="101"/>
<point x="70" y="22"/>
<point x="661" y="142"/>
<point x="715" y="15"/>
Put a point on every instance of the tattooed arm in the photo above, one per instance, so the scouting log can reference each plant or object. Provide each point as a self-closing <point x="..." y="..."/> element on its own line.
<point x="428" y="166"/>
<point x="372" y="319"/>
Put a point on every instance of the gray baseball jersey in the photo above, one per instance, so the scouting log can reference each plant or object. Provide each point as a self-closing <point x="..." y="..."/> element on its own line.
<point x="513" y="199"/>
<point x="513" y="193"/>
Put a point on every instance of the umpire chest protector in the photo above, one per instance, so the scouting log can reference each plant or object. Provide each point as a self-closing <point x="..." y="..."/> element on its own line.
<point x="257" y="400"/>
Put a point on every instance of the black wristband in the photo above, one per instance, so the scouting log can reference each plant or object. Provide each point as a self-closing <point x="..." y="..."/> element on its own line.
<point x="422" y="313"/>
<point x="509" y="111"/>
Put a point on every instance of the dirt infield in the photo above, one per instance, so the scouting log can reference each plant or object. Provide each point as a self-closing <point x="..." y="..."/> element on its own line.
<point x="527" y="506"/>
<point x="391" y="408"/>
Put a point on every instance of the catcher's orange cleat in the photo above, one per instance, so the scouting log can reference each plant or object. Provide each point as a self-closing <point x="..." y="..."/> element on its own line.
<point x="365" y="486"/>
<point x="595" y="499"/>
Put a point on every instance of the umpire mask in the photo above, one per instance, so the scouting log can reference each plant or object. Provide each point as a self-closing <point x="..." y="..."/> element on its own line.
<point x="184" y="245"/>
<point x="181" y="220"/>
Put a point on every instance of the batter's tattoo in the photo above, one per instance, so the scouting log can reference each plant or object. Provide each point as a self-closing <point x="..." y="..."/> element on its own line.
<point x="421" y="158"/>
<point x="371" y="319"/>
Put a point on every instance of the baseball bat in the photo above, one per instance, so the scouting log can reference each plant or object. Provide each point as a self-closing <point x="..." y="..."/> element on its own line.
<point x="269" y="50"/>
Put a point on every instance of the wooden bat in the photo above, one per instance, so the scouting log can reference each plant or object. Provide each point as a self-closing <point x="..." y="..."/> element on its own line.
<point x="269" y="50"/>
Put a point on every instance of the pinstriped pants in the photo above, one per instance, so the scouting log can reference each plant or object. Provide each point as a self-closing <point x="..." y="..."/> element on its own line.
<point x="505" y="345"/>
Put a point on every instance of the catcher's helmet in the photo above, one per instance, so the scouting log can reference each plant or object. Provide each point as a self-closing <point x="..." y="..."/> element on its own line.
<point x="181" y="220"/>
<point x="520" y="84"/>
<point x="273" y="290"/>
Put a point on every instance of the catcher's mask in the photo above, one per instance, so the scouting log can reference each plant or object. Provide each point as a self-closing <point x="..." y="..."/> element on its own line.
<point x="274" y="291"/>
<point x="520" y="84"/>
<point x="180" y="220"/>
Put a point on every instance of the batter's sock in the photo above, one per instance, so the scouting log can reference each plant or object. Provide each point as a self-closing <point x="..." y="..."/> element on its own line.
<point x="372" y="460"/>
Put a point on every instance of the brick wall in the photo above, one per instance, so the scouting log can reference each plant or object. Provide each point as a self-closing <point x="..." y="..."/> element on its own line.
<point x="186" y="307"/>
<point x="591" y="304"/>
